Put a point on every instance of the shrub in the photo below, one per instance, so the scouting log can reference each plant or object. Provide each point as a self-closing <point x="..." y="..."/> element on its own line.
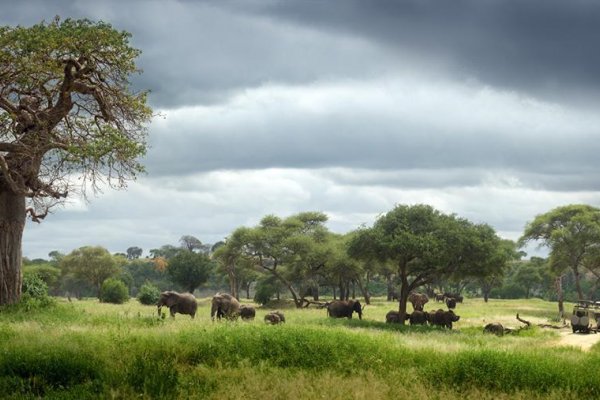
<point x="265" y="289"/>
<point x="34" y="292"/>
<point x="114" y="291"/>
<point x="34" y="286"/>
<point x="46" y="272"/>
<point x="148" y="294"/>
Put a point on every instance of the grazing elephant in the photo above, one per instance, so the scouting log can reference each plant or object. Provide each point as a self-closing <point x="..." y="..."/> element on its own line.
<point x="439" y="297"/>
<point x="344" y="309"/>
<point x="393" y="317"/>
<point x="450" y="302"/>
<point x="274" y="318"/>
<point x="418" y="317"/>
<point x="495" y="328"/>
<point x="455" y="296"/>
<point x="280" y="315"/>
<point x="182" y="303"/>
<point x="443" y="318"/>
<point x="247" y="312"/>
<point x="418" y="300"/>
<point x="224" y="305"/>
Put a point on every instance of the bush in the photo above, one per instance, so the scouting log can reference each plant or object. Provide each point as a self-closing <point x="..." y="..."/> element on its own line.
<point x="34" y="292"/>
<point x="46" y="272"/>
<point x="34" y="287"/>
<point x="264" y="291"/>
<point x="148" y="294"/>
<point x="114" y="291"/>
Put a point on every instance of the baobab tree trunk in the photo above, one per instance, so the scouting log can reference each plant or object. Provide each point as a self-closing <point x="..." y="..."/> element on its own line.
<point x="12" y="223"/>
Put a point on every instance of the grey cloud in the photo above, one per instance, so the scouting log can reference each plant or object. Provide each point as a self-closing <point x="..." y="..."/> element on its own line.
<point x="545" y="47"/>
<point x="540" y="147"/>
<point x="205" y="52"/>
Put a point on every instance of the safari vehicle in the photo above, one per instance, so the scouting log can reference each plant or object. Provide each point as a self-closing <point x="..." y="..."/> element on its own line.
<point x="586" y="316"/>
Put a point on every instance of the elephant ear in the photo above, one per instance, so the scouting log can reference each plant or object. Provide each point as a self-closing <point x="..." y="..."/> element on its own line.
<point x="171" y="298"/>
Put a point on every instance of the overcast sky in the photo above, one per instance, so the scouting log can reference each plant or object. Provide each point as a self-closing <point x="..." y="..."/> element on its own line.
<point x="487" y="109"/>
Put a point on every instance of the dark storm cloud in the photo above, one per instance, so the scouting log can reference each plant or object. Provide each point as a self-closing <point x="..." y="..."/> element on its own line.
<point x="203" y="52"/>
<point x="546" y="47"/>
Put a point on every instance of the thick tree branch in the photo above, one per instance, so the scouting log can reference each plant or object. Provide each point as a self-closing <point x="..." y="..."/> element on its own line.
<point x="36" y="217"/>
<point x="14" y="186"/>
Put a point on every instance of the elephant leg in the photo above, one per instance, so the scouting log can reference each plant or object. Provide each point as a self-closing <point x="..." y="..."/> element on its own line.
<point x="172" y="310"/>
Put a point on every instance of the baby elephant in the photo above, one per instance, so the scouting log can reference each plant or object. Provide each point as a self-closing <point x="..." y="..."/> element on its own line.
<point x="247" y="312"/>
<point x="274" y="318"/>
<point x="495" y="328"/>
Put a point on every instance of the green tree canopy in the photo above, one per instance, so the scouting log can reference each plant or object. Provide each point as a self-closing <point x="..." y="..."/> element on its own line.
<point x="66" y="108"/>
<point x="92" y="265"/>
<point x="572" y="233"/>
<point x="425" y="245"/>
<point x="189" y="269"/>
<point x="286" y="248"/>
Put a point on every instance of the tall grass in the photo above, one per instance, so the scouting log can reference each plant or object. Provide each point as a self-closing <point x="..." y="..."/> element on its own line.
<point x="91" y="350"/>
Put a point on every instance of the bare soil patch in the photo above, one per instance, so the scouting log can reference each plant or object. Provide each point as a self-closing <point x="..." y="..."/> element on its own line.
<point x="580" y="340"/>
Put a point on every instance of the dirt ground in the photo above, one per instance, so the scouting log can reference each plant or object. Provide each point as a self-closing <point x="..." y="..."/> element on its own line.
<point x="580" y="340"/>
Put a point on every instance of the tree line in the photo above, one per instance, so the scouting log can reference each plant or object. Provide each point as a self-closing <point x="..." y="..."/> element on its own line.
<point x="408" y="249"/>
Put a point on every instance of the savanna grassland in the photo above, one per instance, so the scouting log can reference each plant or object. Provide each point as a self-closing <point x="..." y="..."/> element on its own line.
<point x="86" y="349"/>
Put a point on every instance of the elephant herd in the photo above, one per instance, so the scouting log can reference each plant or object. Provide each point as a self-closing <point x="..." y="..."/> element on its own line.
<point x="223" y="305"/>
<point x="435" y="317"/>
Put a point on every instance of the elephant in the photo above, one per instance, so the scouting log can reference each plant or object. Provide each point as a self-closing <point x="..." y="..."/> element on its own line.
<point x="182" y="303"/>
<point x="418" y="317"/>
<point x="495" y="328"/>
<point x="344" y="309"/>
<point x="393" y="317"/>
<point x="439" y="297"/>
<point x="224" y="305"/>
<point x="280" y="315"/>
<point x="443" y="318"/>
<point x="451" y="302"/>
<point x="455" y="296"/>
<point x="247" y="312"/>
<point x="274" y="318"/>
<point x="418" y="300"/>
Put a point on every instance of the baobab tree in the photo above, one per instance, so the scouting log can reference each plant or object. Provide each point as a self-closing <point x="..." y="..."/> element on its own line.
<point x="66" y="110"/>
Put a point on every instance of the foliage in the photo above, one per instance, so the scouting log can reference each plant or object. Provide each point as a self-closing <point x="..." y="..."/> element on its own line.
<point x="134" y="253"/>
<point x="145" y="270"/>
<point x="34" y="293"/>
<point x="148" y="294"/>
<point x="34" y="287"/>
<point x="101" y="134"/>
<point x="114" y="291"/>
<point x="90" y="264"/>
<point x="192" y="243"/>
<point x="265" y="289"/>
<point x="572" y="233"/>
<point x="425" y="245"/>
<point x="287" y="249"/>
<point x="190" y="270"/>
<point x="46" y="271"/>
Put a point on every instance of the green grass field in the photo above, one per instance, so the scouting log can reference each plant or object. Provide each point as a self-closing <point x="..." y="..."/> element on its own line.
<point x="86" y="349"/>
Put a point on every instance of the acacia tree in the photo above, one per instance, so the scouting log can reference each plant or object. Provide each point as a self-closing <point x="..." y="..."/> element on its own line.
<point x="285" y="248"/>
<point x="66" y="108"/>
<point x="424" y="245"/>
<point x="572" y="233"/>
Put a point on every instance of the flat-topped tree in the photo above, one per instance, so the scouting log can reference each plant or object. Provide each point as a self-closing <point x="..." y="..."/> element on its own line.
<point x="426" y="245"/>
<point x="66" y="110"/>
